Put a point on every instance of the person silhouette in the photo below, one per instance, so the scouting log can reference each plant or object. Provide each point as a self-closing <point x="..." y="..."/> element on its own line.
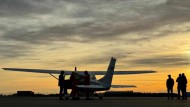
<point x="170" y="84"/>
<point x="87" y="82"/>
<point x="179" y="81"/>
<point x="61" y="84"/>
<point x="184" y="86"/>
<point x="75" y="81"/>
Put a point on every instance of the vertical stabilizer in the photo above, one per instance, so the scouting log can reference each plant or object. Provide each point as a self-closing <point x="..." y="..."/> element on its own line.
<point x="107" y="79"/>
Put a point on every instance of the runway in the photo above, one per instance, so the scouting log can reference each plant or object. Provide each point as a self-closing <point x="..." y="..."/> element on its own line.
<point x="106" y="102"/>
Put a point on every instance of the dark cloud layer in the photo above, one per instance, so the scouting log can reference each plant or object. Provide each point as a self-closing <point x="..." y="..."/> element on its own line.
<point x="20" y="8"/>
<point x="108" y="22"/>
<point x="87" y="21"/>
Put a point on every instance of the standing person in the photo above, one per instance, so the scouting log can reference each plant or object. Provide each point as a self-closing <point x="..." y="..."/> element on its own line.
<point x="184" y="86"/>
<point x="170" y="84"/>
<point x="75" y="81"/>
<point x="179" y="81"/>
<point x="87" y="82"/>
<point x="61" y="84"/>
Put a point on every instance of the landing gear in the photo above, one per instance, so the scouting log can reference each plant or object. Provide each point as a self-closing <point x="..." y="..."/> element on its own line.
<point x="66" y="97"/>
<point x="100" y="96"/>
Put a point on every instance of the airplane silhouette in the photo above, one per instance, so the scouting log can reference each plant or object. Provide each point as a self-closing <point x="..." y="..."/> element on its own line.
<point x="102" y="84"/>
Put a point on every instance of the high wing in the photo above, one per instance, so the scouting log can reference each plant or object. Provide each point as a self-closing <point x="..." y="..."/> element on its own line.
<point x="67" y="72"/>
<point x="38" y="70"/>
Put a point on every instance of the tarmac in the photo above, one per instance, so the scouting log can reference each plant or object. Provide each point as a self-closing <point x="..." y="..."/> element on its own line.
<point x="105" y="102"/>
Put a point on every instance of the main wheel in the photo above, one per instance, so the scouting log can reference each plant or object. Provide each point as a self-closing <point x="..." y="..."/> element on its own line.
<point x="100" y="98"/>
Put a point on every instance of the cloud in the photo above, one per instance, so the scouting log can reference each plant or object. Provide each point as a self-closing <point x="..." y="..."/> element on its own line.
<point x="19" y="8"/>
<point x="162" y="61"/>
<point x="38" y="22"/>
<point x="108" y="20"/>
<point x="12" y="51"/>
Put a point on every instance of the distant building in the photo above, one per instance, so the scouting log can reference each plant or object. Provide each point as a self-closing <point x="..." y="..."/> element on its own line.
<point x="25" y="93"/>
<point x="134" y="94"/>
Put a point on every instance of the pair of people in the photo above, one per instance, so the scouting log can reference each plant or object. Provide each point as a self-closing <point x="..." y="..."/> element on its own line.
<point x="182" y="85"/>
<point x="75" y="78"/>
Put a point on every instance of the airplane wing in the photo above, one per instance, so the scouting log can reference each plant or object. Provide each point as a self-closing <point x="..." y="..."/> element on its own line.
<point x="134" y="72"/>
<point x="67" y="72"/>
<point x="37" y="70"/>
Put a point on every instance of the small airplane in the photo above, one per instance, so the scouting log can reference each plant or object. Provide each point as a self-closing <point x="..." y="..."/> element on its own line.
<point x="102" y="84"/>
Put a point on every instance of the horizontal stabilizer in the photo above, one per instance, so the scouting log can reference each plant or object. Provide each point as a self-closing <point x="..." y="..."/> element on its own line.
<point x="124" y="86"/>
<point x="91" y="86"/>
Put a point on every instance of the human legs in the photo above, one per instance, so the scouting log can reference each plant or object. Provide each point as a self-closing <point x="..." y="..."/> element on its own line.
<point x="172" y="92"/>
<point x="60" y="92"/>
<point x="65" y="91"/>
<point x="184" y="93"/>
<point x="178" y="93"/>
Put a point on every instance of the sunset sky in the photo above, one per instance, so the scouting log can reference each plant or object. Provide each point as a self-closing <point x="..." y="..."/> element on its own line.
<point x="62" y="34"/>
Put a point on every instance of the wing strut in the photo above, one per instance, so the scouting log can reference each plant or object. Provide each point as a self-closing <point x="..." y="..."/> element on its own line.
<point x="53" y="76"/>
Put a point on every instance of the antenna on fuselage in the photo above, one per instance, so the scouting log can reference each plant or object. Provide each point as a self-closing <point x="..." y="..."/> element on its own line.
<point x="75" y="68"/>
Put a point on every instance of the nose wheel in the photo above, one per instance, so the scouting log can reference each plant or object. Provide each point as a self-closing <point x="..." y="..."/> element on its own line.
<point x="100" y="96"/>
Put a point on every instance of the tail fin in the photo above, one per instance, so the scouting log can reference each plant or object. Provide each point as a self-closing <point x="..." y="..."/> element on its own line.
<point x="107" y="79"/>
